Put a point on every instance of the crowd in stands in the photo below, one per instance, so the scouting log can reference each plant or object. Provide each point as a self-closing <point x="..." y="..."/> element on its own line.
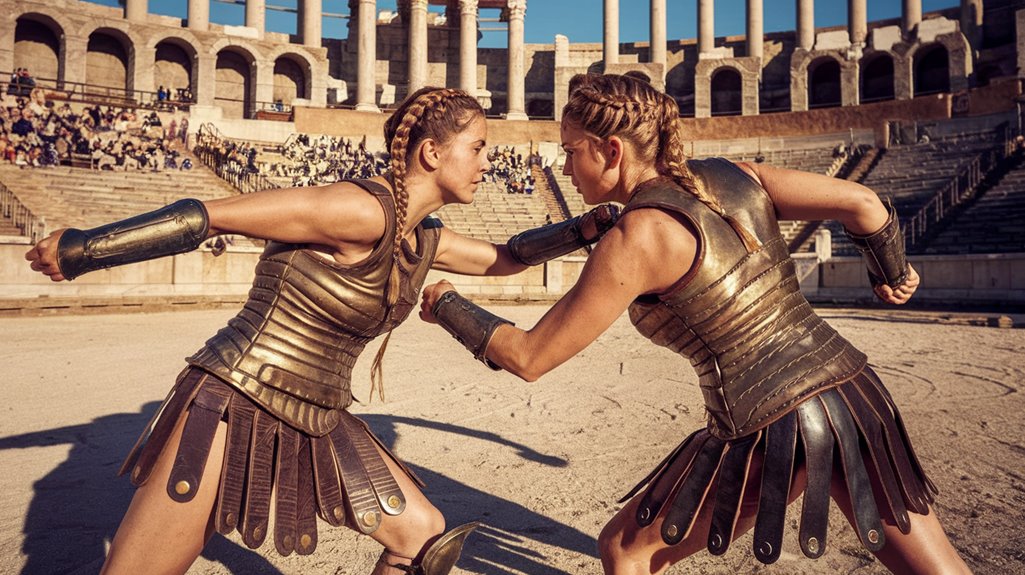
<point x="36" y="132"/>
<point x="510" y="168"/>
<point x="325" y="159"/>
<point x="21" y="84"/>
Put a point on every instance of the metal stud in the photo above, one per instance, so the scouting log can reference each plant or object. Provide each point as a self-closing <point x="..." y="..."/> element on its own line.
<point x="136" y="472"/>
<point x="716" y="541"/>
<point x="672" y="531"/>
<point x="305" y="540"/>
<point x="230" y="519"/>
<point x="645" y="514"/>
<point x="813" y="544"/>
<point x="765" y="549"/>
<point x="338" y="513"/>
<point x="182" y="487"/>
<point x="873" y="536"/>
<point x="287" y="540"/>
<point x="394" y="502"/>
<point x="370" y="518"/>
<point x="258" y="532"/>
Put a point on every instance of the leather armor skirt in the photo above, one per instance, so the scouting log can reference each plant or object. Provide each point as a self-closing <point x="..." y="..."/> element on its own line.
<point x="853" y="430"/>
<point x="340" y="476"/>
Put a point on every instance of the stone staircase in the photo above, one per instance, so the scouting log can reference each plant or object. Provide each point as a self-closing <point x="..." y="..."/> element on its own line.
<point x="495" y="214"/>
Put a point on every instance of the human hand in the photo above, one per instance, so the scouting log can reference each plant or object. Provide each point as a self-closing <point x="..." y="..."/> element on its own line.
<point x="43" y="257"/>
<point x="599" y="220"/>
<point x="431" y="295"/>
<point x="902" y="293"/>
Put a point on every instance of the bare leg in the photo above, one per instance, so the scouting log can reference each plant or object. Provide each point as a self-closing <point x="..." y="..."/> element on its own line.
<point x="406" y="534"/>
<point x="626" y="549"/>
<point x="159" y="535"/>
<point x="926" y="549"/>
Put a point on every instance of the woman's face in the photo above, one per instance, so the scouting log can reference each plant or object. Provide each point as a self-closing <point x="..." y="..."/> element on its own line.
<point x="464" y="161"/>
<point x="585" y="164"/>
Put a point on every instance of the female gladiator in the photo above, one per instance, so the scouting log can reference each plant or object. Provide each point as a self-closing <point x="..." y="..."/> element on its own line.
<point x="698" y="260"/>
<point x="260" y="413"/>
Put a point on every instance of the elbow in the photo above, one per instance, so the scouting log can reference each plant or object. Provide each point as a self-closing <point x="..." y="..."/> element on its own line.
<point x="524" y="366"/>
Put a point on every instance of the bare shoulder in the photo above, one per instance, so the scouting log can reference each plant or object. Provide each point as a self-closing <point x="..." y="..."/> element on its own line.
<point x="355" y="213"/>
<point x="661" y="244"/>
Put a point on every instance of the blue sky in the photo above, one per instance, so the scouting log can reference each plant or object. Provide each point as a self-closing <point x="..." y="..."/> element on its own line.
<point x="580" y="20"/>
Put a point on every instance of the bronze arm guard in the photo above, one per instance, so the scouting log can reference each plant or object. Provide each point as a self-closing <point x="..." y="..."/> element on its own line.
<point x="883" y="252"/>
<point x="177" y="228"/>
<point x="539" y="245"/>
<point x="469" y="323"/>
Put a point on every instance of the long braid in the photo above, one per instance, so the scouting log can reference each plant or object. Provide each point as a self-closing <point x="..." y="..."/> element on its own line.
<point x="612" y="105"/>
<point x="430" y="112"/>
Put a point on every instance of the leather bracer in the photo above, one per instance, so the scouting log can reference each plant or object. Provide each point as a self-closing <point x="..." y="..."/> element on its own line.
<point x="469" y="323"/>
<point x="539" y="245"/>
<point x="177" y="228"/>
<point x="883" y="252"/>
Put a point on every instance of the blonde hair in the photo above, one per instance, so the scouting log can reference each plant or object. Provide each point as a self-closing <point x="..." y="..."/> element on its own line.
<point x="631" y="109"/>
<point x="429" y="113"/>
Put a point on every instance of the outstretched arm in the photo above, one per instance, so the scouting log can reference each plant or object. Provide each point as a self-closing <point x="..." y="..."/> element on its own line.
<point x="806" y="196"/>
<point x="646" y="252"/>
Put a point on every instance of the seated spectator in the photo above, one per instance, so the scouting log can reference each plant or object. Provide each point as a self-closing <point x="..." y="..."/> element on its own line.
<point x="186" y="164"/>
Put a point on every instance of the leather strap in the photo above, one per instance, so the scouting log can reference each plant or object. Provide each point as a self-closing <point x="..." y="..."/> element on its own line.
<point x="662" y="465"/>
<point x="329" y="492"/>
<point x="241" y="414"/>
<point x="539" y="245"/>
<point x="366" y="514"/>
<point x="306" y="500"/>
<point x="777" y="474"/>
<point x="286" y="479"/>
<point x="389" y="495"/>
<point x="256" y="511"/>
<point x="730" y="491"/>
<point x="659" y="491"/>
<point x="883" y="252"/>
<point x="818" y="454"/>
<point x="692" y="493"/>
<point x="469" y="323"/>
<point x="197" y="437"/>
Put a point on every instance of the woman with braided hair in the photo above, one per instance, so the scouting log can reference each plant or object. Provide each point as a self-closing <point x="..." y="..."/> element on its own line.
<point x="260" y="413"/>
<point x="698" y="260"/>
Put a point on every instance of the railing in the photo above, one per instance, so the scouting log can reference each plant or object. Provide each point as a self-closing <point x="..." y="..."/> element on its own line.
<point x="11" y="207"/>
<point x="961" y="188"/>
<point x="560" y="198"/>
<point x="243" y="180"/>
<point x="84" y="92"/>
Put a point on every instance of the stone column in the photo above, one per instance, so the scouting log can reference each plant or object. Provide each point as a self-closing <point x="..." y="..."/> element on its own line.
<point x="312" y="16"/>
<point x="135" y="10"/>
<point x="204" y="73"/>
<point x="971" y="22"/>
<point x="610" y="35"/>
<point x="366" y="81"/>
<point x="468" y="46"/>
<point x="199" y="15"/>
<point x="658" y="32"/>
<point x="516" y="92"/>
<point x="857" y="21"/>
<point x="255" y="15"/>
<point x="706" y="26"/>
<point x="911" y="15"/>
<point x="806" y="24"/>
<point x="417" y="45"/>
<point x="755" y="28"/>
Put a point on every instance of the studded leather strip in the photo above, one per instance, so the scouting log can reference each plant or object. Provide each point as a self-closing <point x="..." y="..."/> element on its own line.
<point x="777" y="473"/>
<point x="730" y="491"/>
<point x="233" y="474"/>
<point x="147" y="449"/>
<point x="256" y="513"/>
<point x="859" y="487"/>
<point x="389" y="495"/>
<point x="665" y="483"/>
<point x="658" y="468"/>
<point x="355" y="483"/>
<point x="881" y="389"/>
<point x="329" y="491"/>
<point x="388" y="452"/>
<point x="692" y="493"/>
<point x="871" y="429"/>
<point x="916" y="495"/>
<point x="197" y="436"/>
<point x="818" y="454"/>
<point x="306" y="504"/>
<point x="285" y="490"/>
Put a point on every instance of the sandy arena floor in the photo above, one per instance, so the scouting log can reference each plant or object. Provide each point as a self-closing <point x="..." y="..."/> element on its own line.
<point x="541" y="464"/>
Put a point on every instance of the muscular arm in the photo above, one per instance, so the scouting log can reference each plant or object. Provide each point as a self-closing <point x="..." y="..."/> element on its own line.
<point x="647" y="252"/>
<point x="468" y="256"/>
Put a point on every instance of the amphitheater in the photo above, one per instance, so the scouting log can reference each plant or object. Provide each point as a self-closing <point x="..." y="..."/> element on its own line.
<point x="926" y="109"/>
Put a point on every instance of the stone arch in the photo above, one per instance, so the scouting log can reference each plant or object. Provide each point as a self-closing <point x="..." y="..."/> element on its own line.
<point x="727" y="92"/>
<point x="825" y="86"/>
<point x="235" y="89"/>
<point x="174" y="64"/>
<point x="931" y="70"/>
<point x="39" y="46"/>
<point x="108" y="60"/>
<point x="877" y="78"/>
<point x="293" y="77"/>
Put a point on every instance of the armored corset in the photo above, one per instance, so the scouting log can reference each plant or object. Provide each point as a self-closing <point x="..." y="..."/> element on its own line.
<point x="739" y="317"/>
<point x="292" y="346"/>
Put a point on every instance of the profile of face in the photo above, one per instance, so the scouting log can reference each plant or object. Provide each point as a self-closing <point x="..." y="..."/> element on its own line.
<point x="586" y="163"/>
<point x="462" y="162"/>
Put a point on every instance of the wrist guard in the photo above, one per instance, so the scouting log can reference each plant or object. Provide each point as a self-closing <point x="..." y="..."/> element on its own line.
<point x="539" y="245"/>
<point x="469" y="323"/>
<point x="883" y="252"/>
<point x="173" y="229"/>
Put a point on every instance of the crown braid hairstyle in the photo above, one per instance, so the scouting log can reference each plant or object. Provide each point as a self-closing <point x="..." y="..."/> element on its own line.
<point x="429" y="113"/>
<point x="612" y="105"/>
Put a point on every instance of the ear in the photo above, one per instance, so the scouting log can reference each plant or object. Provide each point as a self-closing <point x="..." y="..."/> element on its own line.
<point x="428" y="154"/>
<point x="613" y="152"/>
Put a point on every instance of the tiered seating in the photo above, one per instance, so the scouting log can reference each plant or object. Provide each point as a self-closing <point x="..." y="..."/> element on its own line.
<point x="82" y="198"/>
<point x="995" y="223"/>
<point x="494" y="214"/>
<point x="815" y="160"/>
<point x="574" y="201"/>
